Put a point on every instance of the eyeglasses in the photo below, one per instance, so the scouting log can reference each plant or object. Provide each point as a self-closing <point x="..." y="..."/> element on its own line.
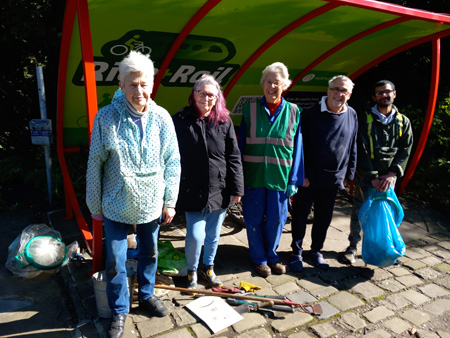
<point x="273" y="83"/>
<point x="336" y="90"/>
<point x="203" y="94"/>
<point x="382" y="92"/>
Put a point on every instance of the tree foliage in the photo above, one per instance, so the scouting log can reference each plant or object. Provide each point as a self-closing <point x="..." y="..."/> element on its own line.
<point x="29" y="33"/>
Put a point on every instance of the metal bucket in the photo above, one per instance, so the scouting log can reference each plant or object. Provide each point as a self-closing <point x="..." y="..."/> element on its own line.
<point x="99" y="281"/>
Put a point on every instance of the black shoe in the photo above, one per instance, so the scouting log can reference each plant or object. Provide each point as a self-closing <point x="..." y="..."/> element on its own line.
<point x="155" y="306"/>
<point x="349" y="255"/>
<point x="319" y="261"/>
<point x="117" y="325"/>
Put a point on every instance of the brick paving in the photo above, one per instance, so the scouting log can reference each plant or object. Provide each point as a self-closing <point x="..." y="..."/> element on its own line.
<point x="358" y="300"/>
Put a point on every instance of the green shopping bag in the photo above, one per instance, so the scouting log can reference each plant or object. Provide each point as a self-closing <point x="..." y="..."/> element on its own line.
<point x="170" y="261"/>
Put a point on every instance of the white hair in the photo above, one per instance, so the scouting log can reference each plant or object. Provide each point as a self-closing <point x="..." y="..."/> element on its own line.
<point x="279" y="68"/>
<point x="136" y="62"/>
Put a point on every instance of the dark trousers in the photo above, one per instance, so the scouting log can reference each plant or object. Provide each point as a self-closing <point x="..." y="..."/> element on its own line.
<point x="323" y="199"/>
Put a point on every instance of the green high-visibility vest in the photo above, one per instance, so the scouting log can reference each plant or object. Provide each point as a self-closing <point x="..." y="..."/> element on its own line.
<point x="269" y="148"/>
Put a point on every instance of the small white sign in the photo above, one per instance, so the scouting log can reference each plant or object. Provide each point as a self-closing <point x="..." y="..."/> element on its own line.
<point x="215" y="312"/>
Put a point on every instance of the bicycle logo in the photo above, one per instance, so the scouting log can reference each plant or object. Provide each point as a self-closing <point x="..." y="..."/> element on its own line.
<point x="132" y="44"/>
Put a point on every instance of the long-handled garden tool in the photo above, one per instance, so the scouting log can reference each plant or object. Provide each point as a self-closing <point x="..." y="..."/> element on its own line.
<point x="314" y="309"/>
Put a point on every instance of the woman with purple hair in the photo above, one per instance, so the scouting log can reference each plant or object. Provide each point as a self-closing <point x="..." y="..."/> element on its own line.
<point x="211" y="174"/>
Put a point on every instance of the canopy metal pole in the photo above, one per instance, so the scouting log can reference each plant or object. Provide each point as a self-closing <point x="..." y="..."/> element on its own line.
<point x="434" y="86"/>
<point x="43" y="108"/>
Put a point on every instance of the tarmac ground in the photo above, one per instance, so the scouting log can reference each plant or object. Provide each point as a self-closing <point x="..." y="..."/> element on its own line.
<point x="409" y="299"/>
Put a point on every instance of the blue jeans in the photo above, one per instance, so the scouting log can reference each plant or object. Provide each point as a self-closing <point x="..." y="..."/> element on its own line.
<point x="116" y="255"/>
<point x="202" y="227"/>
<point x="265" y="214"/>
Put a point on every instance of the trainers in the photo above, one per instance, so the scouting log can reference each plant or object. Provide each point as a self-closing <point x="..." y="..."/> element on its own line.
<point x="319" y="261"/>
<point x="192" y="280"/>
<point x="211" y="277"/>
<point x="277" y="268"/>
<point x="349" y="255"/>
<point x="155" y="306"/>
<point x="296" y="263"/>
<point x="117" y="325"/>
<point x="263" y="270"/>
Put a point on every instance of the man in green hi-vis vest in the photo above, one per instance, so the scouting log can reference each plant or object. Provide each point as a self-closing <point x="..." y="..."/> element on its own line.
<point x="385" y="139"/>
<point x="270" y="141"/>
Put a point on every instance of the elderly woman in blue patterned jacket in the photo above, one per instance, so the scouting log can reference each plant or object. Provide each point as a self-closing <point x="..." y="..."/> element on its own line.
<point x="133" y="177"/>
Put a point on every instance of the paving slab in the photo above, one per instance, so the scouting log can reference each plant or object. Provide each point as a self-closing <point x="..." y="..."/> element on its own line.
<point x="443" y="267"/>
<point x="182" y="317"/>
<point x="415" y="316"/>
<point x="377" y="274"/>
<point x="154" y="325"/>
<point x="300" y="335"/>
<point x="414" y="297"/>
<point x="443" y="334"/>
<point x="438" y="307"/>
<point x="426" y="334"/>
<point x="416" y="253"/>
<point x="324" y="330"/>
<point x="286" y="288"/>
<point x="444" y="281"/>
<point x="391" y="285"/>
<point x="431" y="261"/>
<point x="414" y="264"/>
<point x="377" y="334"/>
<point x="201" y="330"/>
<point x="409" y="281"/>
<point x="377" y="314"/>
<point x="328" y="310"/>
<point x="395" y="302"/>
<point x="351" y="321"/>
<point x="367" y="291"/>
<point x="258" y="333"/>
<point x="344" y="301"/>
<point x="444" y="244"/>
<point x="444" y="254"/>
<point x="396" y="325"/>
<point x="180" y="333"/>
<point x="276" y="280"/>
<point x="399" y="271"/>
<point x="433" y="291"/>
<point x="301" y="297"/>
<point x="427" y="273"/>
<point x="291" y="321"/>
<point x="250" y="321"/>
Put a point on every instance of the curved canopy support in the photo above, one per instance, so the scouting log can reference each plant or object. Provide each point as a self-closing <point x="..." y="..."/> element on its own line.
<point x="434" y="86"/>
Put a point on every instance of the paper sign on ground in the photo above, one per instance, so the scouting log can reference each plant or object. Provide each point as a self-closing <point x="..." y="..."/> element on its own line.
<point x="215" y="312"/>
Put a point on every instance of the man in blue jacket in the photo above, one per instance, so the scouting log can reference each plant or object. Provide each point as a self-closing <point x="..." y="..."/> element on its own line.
<point x="329" y="144"/>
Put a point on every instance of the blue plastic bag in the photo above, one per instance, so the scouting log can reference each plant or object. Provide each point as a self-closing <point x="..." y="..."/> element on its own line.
<point x="380" y="216"/>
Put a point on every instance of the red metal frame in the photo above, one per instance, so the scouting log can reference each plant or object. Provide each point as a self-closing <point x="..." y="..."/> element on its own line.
<point x="394" y="9"/>
<point x="205" y="9"/>
<point x="78" y="8"/>
<point x="274" y="39"/>
<point x="434" y="86"/>
<point x="343" y="45"/>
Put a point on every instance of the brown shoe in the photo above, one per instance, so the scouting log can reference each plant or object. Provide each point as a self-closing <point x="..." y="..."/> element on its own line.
<point x="277" y="268"/>
<point x="263" y="270"/>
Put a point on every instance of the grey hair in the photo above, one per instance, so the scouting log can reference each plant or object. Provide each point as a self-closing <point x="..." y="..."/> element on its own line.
<point x="136" y="62"/>
<point x="343" y="78"/>
<point x="279" y="68"/>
